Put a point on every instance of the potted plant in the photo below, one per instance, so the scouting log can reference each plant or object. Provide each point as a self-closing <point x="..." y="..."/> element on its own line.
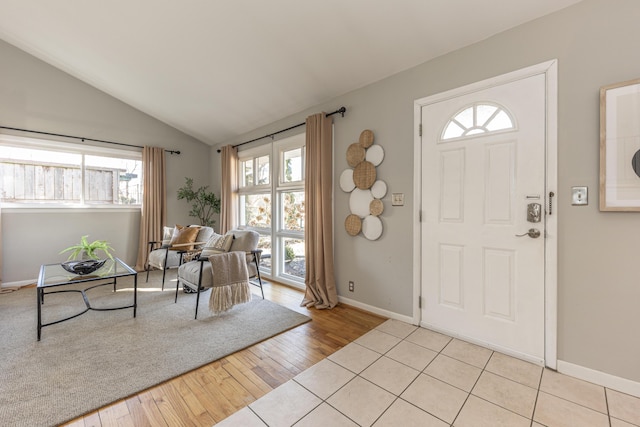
<point x="88" y="250"/>
<point x="204" y="203"/>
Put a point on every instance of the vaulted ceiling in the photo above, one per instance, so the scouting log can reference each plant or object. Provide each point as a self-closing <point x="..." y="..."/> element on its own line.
<point x="215" y="69"/>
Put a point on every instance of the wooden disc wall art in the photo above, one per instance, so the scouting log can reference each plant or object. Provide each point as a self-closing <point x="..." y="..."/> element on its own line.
<point x="376" y="207"/>
<point x="353" y="224"/>
<point x="355" y="155"/>
<point x="366" y="189"/>
<point x="364" y="175"/>
<point x="366" y="138"/>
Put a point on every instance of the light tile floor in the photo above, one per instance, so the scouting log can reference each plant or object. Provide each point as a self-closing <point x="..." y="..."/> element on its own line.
<point x="402" y="375"/>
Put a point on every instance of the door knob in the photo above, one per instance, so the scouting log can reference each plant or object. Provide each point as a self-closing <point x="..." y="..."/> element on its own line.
<point x="533" y="233"/>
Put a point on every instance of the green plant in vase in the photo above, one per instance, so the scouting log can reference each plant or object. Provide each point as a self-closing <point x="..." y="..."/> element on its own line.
<point x="203" y="203"/>
<point x="88" y="250"/>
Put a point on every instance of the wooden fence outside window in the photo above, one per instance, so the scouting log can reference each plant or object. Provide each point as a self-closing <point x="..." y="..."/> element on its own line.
<point x="24" y="181"/>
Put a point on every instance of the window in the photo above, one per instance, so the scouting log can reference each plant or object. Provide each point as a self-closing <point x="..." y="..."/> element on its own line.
<point x="477" y="119"/>
<point x="38" y="172"/>
<point x="290" y="191"/>
<point x="255" y="172"/>
<point x="272" y="203"/>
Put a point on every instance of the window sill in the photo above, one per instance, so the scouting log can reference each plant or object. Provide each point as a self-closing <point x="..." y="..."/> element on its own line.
<point x="38" y="208"/>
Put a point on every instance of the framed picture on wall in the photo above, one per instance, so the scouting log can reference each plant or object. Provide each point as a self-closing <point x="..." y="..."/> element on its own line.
<point x="620" y="146"/>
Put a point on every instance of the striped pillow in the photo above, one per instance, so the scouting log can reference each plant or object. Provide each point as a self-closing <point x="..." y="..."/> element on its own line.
<point x="217" y="244"/>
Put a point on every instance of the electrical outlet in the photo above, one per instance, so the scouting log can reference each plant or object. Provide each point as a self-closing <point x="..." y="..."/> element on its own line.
<point x="351" y="286"/>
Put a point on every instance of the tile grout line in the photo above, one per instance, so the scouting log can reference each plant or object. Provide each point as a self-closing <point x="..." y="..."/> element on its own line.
<point x="356" y="375"/>
<point x="575" y="403"/>
<point x="420" y="372"/>
<point x="535" y="402"/>
<point x="371" y="364"/>
<point x="474" y="385"/>
<point x="254" y="413"/>
<point x="606" y="402"/>
<point x="469" y="393"/>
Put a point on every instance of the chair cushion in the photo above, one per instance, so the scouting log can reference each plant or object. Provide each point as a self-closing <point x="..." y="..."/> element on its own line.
<point x="217" y="244"/>
<point x="156" y="258"/>
<point x="183" y="235"/>
<point x="189" y="274"/>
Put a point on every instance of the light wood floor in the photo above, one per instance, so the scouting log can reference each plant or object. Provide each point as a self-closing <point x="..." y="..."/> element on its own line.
<point x="211" y="393"/>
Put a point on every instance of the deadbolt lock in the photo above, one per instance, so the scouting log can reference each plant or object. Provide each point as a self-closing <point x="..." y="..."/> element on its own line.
<point x="534" y="212"/>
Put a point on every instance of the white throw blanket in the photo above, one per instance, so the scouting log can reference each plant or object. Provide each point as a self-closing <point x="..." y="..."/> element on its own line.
<point x="230" y="281"/>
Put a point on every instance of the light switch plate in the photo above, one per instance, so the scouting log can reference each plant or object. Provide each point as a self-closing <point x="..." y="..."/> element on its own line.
<point x="397" y="199"/>
<point x="579" y="196"/>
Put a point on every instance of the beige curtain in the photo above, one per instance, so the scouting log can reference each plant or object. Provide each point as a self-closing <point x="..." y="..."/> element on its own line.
<point x="229" y="189"/>
<point x="319" y="277"/>
<point x="154" y="201"/>
<point x="1" y="243"/>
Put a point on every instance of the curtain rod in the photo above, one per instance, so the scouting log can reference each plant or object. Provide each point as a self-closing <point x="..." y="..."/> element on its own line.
<point x="340" y="111"/>
<point x="82" y="138"/>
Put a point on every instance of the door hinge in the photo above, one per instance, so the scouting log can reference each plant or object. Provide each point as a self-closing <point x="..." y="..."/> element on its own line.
<point x="420" y="302"/>
<point x="420" y="129"/>
<point x="420" y="216"/>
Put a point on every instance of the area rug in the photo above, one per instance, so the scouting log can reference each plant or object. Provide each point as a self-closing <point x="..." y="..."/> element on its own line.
<point x="103" y="356"/>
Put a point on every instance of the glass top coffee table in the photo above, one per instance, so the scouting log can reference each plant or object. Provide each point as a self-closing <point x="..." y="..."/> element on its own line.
<point x="54" y="276"/>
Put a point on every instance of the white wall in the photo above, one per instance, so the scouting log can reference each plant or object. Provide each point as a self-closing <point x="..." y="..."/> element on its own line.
<point x="34" y="95"/>
<point x="595" y="43"/>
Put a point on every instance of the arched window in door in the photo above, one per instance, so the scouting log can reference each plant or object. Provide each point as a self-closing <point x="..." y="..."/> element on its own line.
<point x="478" y="118"/>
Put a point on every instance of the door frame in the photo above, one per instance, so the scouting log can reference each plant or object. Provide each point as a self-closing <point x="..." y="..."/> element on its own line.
<point x="550" y="70"/>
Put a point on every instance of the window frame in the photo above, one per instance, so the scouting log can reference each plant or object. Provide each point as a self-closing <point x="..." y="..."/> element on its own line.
<point x="485" y="131"/>
<point x="253" y="189"/>
<point x="71" y="148"/>
<point x="276" y="189"/>
<point x="282" y="234"/>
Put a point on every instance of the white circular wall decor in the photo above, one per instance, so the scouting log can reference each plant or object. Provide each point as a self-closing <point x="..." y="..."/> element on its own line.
<point x="375" y="155"/>
<point x="379" y="189"/>
<point x="372" y="227"/>
<point x="366" y="190"/>
<point x="346" y="181"/>
<point x="359" y="202"/>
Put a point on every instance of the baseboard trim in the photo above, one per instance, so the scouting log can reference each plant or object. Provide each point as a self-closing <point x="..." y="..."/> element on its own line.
<point x="601" y="378"/>
<point x="376" y="310"/>
<point x="18" y="284"/>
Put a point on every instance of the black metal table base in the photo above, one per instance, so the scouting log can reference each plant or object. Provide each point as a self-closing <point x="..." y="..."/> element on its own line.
<point x="41" y="294"/>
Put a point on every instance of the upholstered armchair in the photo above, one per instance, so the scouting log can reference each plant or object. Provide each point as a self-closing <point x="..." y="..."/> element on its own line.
<point x="199" y="274"/>
<point x="177" y="242"/>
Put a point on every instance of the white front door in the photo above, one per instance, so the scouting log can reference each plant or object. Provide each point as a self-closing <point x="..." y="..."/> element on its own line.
<point x="483" y="163"/>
